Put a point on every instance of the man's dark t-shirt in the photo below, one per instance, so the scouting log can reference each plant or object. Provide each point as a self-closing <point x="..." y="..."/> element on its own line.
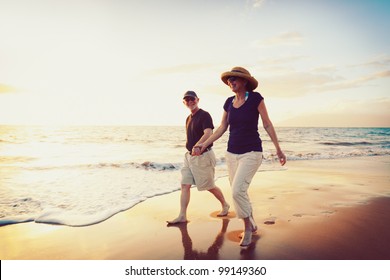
<point x="195" y="125"/>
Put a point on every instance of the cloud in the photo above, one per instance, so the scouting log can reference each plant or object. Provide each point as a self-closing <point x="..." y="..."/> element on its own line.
<point x="294" y="84"/>
<point x="6" y="89"/>
<point x="330" y="68"/>
<point x="356" y="113"/>
<point x="179" y="69"/>
<point x="279" y="77"/>
<point x="300" y="83"/>
<point x="348" y="84"/>
<point x="258" y="3"/>
<point x="292" y="38"/>
<point x="375" y="76"/>
<point x="378" y="61"/>
<point x="282" y="60"/>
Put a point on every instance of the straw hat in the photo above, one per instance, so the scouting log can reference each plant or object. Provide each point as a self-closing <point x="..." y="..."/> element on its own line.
<point x="241" y="73"/>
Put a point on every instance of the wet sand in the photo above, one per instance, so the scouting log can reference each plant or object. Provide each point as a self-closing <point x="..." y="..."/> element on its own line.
<point x="314" y="210"/>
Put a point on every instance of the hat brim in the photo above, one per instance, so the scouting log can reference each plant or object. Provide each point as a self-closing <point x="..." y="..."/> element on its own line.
<point x="253" y="83"/>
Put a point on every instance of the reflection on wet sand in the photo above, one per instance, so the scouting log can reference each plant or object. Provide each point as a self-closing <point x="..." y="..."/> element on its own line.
<point x="212" y="253"/>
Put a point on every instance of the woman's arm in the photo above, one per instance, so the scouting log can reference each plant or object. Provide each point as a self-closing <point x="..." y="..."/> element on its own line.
<point x="217" y="134"/>
<point x="206" y="134"/>
<point x="196" y="151"/>
<point x="268" y="126"/>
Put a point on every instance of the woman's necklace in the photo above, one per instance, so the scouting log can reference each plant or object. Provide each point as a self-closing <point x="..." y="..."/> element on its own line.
<point x="246" y="97"/>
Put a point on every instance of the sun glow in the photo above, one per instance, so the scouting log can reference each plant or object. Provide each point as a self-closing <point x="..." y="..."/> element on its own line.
<point x="109" y="63"/>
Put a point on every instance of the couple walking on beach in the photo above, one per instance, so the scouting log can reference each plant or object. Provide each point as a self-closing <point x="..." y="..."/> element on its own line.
<point x="244" y="150"/>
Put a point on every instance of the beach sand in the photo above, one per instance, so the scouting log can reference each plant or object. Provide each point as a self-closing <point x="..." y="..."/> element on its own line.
<point x="314" y="210"/>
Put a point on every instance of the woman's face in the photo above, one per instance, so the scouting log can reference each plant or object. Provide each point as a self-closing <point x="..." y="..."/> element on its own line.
<point x="237" y="84"/>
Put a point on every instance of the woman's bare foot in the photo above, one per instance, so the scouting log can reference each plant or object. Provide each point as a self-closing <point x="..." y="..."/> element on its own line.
<point x="247" y="239"/>
<point x="253" y="224"/>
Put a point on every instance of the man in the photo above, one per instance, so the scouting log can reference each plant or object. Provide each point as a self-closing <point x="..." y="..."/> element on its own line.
<point x="198" y="169"/>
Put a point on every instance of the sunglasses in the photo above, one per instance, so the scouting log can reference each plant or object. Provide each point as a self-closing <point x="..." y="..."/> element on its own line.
<point x="232" y="79"/>
<point x="188" y="99"/>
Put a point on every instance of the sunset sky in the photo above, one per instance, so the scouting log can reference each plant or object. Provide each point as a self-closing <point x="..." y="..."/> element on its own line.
<point x="117" y="62"/>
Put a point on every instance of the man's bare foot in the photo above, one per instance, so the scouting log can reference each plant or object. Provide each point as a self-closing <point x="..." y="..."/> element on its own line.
<point x="224" y="211"/>
<point x="178" y="220"/>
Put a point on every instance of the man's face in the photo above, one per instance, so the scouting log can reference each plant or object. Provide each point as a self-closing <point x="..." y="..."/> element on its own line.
<point x="191" y="102"/>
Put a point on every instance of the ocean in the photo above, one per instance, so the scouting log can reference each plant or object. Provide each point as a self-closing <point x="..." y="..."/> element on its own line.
<point x="82" y="175"/>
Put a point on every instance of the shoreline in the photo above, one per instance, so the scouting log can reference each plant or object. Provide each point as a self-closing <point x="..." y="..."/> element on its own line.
<point x="329" y="209"/>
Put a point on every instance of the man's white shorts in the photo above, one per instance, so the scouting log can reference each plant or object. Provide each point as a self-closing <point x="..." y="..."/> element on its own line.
<point x="199" y="170"/>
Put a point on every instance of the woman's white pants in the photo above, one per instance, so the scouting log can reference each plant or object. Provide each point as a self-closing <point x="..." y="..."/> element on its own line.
<point x="241" y="169"/>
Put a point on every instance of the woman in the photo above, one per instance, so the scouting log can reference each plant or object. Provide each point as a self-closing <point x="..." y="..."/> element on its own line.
<point x="244" y="151"/>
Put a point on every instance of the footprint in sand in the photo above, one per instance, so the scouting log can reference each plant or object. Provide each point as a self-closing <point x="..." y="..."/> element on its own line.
<point x="328" y="212"/>
<point x="270" y="221"/>
<point x="230" y="215"/>
<point x="298" y="215"/>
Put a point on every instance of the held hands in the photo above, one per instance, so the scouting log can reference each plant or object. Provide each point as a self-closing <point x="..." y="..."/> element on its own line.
<point x="196" y="151"/>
